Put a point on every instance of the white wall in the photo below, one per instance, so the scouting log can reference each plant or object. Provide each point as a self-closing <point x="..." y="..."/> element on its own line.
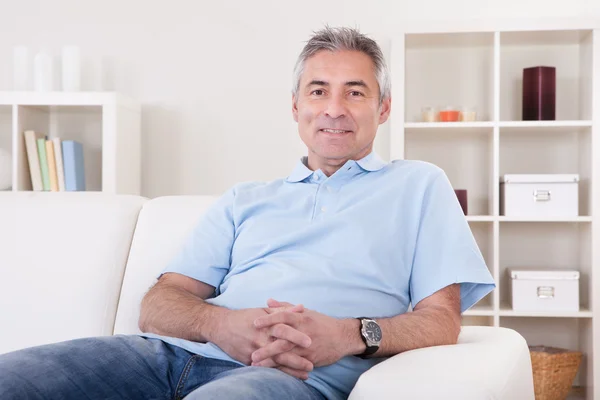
<point x="214" y="77"/>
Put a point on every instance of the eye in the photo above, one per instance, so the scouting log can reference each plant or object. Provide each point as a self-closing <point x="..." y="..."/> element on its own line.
<point x="355" y="93"/>
<point x="317" y="92"/>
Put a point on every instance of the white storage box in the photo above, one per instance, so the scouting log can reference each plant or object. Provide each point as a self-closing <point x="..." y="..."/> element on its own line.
<point x="535" y="289"/>
<point x="539" y="195"/>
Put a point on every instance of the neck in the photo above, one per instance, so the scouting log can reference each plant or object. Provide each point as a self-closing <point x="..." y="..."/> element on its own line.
<point x="330" y="165"/>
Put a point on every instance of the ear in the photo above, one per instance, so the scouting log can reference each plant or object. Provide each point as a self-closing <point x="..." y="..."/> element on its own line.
<point x="384" y="110"/>
<point x="295" y="108"/>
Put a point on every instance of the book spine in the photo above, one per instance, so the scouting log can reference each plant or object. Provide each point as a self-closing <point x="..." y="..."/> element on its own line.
<point x="34" y="161"/>
<point x="51" y="166"/>
<point x="60" y="171"/>
<point x="73" y="165"/>
<point x="41" y="145"/>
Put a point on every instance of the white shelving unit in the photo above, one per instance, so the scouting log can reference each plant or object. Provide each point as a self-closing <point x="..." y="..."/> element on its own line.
<point x="480" y="65"/>
<point x="106" y="123"/>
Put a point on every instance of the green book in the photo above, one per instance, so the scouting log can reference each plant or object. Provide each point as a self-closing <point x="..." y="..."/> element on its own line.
<point x="41" y="145"/>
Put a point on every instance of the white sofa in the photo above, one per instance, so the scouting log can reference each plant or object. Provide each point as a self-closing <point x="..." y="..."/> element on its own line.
<point x="77" y="264"/>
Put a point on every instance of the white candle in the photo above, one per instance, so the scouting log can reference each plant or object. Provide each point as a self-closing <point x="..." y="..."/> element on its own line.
<point x="71" y="69"/>
<point x="43" y="78"/>
<point x="468" y="114"/>
<point x="428" y="114"/>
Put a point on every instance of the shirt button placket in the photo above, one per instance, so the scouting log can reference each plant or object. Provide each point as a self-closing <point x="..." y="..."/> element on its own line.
<point x="322" y="200"/>
<point x="326" y="199"/>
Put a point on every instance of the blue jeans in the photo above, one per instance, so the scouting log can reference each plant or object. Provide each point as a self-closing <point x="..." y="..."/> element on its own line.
<point x="134" y="367"/>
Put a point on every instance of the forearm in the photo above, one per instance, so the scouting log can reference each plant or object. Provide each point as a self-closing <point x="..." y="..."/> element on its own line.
<point x="433" y="326"/>
<point x="170" y="310"/>
<point x="423" y="328"/>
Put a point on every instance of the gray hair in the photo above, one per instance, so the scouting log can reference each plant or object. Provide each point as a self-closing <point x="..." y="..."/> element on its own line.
<point x="335" y="39"/>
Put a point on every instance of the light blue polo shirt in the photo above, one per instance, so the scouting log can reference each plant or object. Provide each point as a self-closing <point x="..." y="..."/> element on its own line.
<point x="369" y="240"/>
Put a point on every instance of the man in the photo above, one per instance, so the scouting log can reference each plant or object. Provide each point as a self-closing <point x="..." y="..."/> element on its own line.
<point x="291" y="289"/>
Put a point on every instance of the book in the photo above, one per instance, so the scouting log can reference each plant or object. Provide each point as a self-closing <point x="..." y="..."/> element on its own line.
<point x="72" y="153"/>
<point x="41" y="146"/>
<point x="60" y="172"/>
<point x="51" y="166"/>
<point x="33" y="158"/>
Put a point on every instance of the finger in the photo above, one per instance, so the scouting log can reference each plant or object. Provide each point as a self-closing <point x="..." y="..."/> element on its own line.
<point x="275" y="303"/>
<point x="293" y="361"/>
<point x="289" y="318"/>
<point x="272" y="349"/>
<point x="298" y="374"/>
<point x="286" y="332"/>
<point x="268" y="363"/>
<point x="296" y="308"/>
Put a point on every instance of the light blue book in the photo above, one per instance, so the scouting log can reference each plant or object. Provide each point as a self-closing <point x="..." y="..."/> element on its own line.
<point x="73" y="165"/>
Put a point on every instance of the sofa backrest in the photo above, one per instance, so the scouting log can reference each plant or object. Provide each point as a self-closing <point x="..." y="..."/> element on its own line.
<point x="62" y="259"/>
<point x="162" y="227"/>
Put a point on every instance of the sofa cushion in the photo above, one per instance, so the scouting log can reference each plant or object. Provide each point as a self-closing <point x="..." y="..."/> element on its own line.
<point x="62" y="258"/>
<point x="162" y="227"/>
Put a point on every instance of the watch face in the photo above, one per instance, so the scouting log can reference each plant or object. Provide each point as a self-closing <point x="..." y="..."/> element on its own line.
<point x="373" y="331"/>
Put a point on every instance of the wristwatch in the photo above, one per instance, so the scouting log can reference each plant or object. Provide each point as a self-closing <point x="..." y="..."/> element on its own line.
<point x="370" y="332"/>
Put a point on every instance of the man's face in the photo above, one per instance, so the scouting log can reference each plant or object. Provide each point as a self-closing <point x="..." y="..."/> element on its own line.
<point x="337" y="108"/>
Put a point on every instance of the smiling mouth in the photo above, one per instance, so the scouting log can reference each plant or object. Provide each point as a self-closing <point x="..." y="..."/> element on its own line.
<point x="335" y="131"/>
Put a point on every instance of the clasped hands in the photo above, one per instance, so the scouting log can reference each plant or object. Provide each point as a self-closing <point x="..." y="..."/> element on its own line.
<point x="285" y="336"/>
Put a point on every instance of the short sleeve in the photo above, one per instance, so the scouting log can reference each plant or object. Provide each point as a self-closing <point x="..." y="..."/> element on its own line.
<point x="446" y="251"/>
<point x="206" y="251"/>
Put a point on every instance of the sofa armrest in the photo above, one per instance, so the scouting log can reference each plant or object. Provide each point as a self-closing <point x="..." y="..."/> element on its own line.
<point x="487" y="363"/>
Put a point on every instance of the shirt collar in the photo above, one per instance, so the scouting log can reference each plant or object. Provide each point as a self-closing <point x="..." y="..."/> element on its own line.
<point x="300" y="172"/>
<point x="371" y="162"/>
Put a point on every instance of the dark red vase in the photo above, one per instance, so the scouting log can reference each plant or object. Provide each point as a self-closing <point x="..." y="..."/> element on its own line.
<point x="539" y="93"/>
<point x="462" y="199"/>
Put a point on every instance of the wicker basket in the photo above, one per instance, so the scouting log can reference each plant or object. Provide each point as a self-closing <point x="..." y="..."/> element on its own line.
<point x="554" y="370"/>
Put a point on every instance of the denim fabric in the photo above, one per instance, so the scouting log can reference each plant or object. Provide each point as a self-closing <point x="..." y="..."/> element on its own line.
<point x="133" y="367"/>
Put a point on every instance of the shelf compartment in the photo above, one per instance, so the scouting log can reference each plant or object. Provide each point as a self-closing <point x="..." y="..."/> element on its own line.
<point x="107" y="124"/>
<point x="570" y="51"/>
<point x="568" y="333"/>
<point x="466" y="79"/>
<point x="559" y="245"/>
<point x="550" y="150"/>
<point x="80" y="123"/>
<point x="466" y="156"/>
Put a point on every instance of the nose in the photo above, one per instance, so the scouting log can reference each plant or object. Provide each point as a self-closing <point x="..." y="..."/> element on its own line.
<point x="335" y="107"/>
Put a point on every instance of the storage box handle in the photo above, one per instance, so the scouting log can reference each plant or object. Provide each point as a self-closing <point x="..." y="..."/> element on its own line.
<point x="541" y="195"/>
<point x="545" y="292"/>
